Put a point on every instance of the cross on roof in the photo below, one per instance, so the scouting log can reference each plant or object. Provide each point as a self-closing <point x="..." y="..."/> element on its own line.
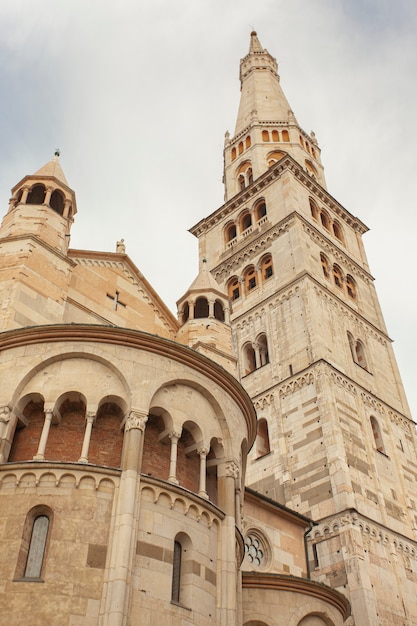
<point x="116" y="301"/>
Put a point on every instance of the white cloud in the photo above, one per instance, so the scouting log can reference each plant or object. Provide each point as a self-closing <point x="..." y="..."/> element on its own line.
<point x="138" y="97"/>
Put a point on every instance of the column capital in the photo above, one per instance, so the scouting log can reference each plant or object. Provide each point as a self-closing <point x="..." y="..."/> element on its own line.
<point x="90" y="416"/>
<point x="136" y="420"/>
<point x="232" y="469"/>
<point x="175" y="432"/>
<point x="203" y="450"/>
<point x="5" y="414"/>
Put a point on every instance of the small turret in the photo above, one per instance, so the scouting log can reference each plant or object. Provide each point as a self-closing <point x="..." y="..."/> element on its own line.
<point x="204" y="316"/>
<point x="42" y="204"/>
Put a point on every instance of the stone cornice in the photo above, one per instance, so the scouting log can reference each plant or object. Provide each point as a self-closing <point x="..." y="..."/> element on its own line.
<point x="254" y="246"/>
<point x="291" y="288"/>
<point x="35" y="240"/>
<point x="292" y="584"/>
<point x="370" y="528"/>
<point x="83" y="333"/>
<point x="308" y="376"/>
<point x="330" y="247"/>
<point x="287" y="163"/>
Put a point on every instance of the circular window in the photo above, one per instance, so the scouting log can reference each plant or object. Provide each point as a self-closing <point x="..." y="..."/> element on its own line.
<point x="254" y="551"/>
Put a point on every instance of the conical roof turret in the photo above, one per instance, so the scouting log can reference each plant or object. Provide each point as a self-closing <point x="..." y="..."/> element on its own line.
<point x="52" y="169"/>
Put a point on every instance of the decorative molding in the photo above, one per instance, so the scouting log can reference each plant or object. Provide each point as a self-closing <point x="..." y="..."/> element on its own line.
<point x="298" y="382"/>
<point x="52" y="474"/>
<point x="330" y="248"/>
<point x="371" y="531"/>
<point x="181" y="499"/>
<point x="250" y="249"/>
<point x="304" y="586"/>
<point x="264" y="401"/>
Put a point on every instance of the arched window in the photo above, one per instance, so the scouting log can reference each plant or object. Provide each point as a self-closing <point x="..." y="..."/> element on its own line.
<point x="377" y="434"/>
<point x="260" y="210"/>
<point x="240" y="147"/>
<point x="337" y="276"/>
<point x="265" y="135"/>
<point x="185" y="312"/>
<point x="324" y="219"/>
<point x="244" y="174"/>
<point x="337" y="231"/>
<point x="263" y="349"/>
<point x="182" y="573"/>
<point x="313" y="152"/>
<point x="285" y="136"/>
<point x="314" y="209"/>
<point x="311" y="169"/>
<point x="31" y="557"/>
<point x="176" y="572"/>
<point x="250" y="279"/>
<point x="360" y="354"/>
<point x="274" y="157"/>
<point x="36" y="195"/>
<point x="57" y="202"/>
<point x="230" y="232"/>
<point x="249" y="359"/>
<point x="351" y="287"/>
<point x="201" y="308"/>
<point x="275" y="135"/>
<point x="267" y="268"/>
<point x="300" y="139"/>
<point x="233" y="288"/>
<point x="245" y="221"/>
<point x="233" y="154"/>
<point x="219" y="311"/>
<point x="262" y="438"/>
<point x="247" y="142"/>
<point x="325" y="265"/>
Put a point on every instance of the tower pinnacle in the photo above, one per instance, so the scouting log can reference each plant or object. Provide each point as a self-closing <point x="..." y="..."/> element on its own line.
<point x="266" y="128"/>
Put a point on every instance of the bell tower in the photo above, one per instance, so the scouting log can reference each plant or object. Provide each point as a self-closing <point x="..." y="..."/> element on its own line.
<point x="336" y="441"/>
<point x="34" y="237"/>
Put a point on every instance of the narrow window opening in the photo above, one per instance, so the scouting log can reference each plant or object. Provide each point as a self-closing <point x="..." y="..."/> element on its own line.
<point x="219" y="311"/>
<point x="176" y="573"/>
<point x="262" y="439"/>
<point x="37" y="547"/>
<point x="285" y="136"/>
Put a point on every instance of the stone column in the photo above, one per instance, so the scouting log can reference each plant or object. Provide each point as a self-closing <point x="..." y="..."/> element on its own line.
<point x="229" y="474"/>
<point x="48" y="195"/>
<point x="116" y="591"/>
<point x="211" y="308"/>
<point x="89" y="420"/>
<point x="191" y="306"/>
<point x="25" y="194"/>
<point x="174" y="435"/>
<point x="67" y="206"/>
<point x="255" y="346"/>
<point x="40" y="455"/>
<point x="4" y="424"/>
<point x="202" y="488"/>
<point x="227" y="314"/>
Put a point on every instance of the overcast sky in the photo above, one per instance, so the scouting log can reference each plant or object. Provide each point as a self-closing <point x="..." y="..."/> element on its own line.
<point x="138" y="95"/>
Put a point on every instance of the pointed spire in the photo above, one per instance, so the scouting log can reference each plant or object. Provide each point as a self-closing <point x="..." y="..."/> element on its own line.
<point x="255" y="44"/>
<point x="53" y="168"/>
<point x="261" y="95"/>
